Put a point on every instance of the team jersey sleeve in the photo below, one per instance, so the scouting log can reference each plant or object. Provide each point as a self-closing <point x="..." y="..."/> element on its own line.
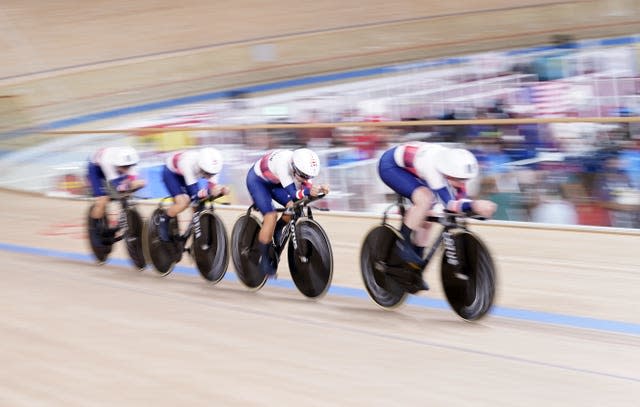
<point x="192" y="190"/>
<point x="109" y="171"/>
<point x="186" y="165"/>
<point x="115" y="182"/>
<point x="282" y="170"/>
<point x="291" y="190"/>
<point x="456" y="204"/>
<point x="213" y="181"/>
<point x="296" y="193"/>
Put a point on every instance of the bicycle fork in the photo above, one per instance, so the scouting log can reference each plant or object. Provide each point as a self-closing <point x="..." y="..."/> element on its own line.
<point x="299" y="247"/>
<point x="451" y="254"/>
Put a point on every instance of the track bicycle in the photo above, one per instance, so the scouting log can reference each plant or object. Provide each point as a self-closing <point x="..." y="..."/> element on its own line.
<point x="205" y="239"/>
<point x="309" y="251"/>
<point x="129" y="228"/>
<point x="467" y="270"/>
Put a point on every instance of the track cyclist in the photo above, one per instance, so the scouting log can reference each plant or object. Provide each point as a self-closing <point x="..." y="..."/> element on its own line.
<point x="428" y="173"/>
<point x="181" y="175"/>
<point x="284" y="176"/>
<point x="115" y="166"/>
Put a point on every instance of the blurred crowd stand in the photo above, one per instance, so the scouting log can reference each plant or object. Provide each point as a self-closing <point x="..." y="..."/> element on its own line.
<point x="563" y="173"/>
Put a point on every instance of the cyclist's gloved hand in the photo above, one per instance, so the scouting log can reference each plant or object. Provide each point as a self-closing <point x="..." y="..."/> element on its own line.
<point x="203" y="193"/>
<point x="123" y="186"/>
<point x="484" y="208"/>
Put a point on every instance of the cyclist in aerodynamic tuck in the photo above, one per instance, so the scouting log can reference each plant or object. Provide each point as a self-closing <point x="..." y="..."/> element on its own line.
<point x="181" y="175"/>
<point x="115" y="166"/>
<point x="428" y="173"/>
<point x="284" y="176"/>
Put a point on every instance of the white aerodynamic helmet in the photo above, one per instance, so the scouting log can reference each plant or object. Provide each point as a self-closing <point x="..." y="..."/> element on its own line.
<point x="125" y="157"/>
<point x="305" y="163"/>
<point x="210" y="160"/>
<point x="457" y="163"/>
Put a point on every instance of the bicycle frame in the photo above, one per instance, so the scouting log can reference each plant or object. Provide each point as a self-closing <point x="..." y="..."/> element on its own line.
<point x="449" y="220"/>
<point x="124" y="200"/>
<point x="289" y="231"/>
<point x="194" y="225"/>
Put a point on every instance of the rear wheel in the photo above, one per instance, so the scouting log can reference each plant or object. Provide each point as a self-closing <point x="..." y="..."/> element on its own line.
<point x="375" y="255"/>
<point x="100" y="246"/>
<point x="210" y="248"/>
<point x="133" y="238"/>
<point x="311" y="265"/>
<point x="469" y="279"/>
<point x="163" y="255"/>
<point x="246" y="253"/>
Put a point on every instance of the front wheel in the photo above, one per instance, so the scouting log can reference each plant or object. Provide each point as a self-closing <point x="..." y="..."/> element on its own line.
<point x="210" y="247"/>
<point x="245" y="252"/>
<point x="163" y="255"/>
<point x="376" y="252"/>
<point x="133" y="238"/>
<point x="311" y="265"/>
<point x="468" y="276"/>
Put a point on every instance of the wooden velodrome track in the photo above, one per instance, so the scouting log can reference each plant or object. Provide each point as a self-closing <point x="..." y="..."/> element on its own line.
<point x="565" y="330"/>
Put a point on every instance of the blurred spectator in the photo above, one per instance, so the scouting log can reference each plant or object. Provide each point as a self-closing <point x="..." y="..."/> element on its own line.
<point x="631" y="161"/>
<point x="554" y="208"/>
<point x="587" y="209"/>
<point x="504" y="191"/>
<point x="497" y="110"/>
<point x="370" y="139"/>
<point x="490" y="156"/>
<point x="615" y="192"/>
<point x="530" y="139"/>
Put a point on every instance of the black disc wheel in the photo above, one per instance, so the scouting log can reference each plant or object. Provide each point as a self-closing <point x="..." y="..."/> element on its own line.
<point x="210" y="247"/>
<point x="311" y="263"/>
<point x="133" y="238"/>
<point x="163" y="255"/>
<point x="100" y="247"/>
<point x="245" y="252"/>
<point x="468" y="275"/>
<point x="376" y="256"/>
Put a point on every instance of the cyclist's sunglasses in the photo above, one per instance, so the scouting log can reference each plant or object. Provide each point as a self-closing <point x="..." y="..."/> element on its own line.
<point x="301" y="175"/>
<point x="457" y="179"/>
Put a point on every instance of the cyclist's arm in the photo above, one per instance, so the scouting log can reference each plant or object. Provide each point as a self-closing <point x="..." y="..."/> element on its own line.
<point x="452" y="204"/>
<point x="192" y="190"/>
<point x="121" y="180"/>
<point x="296" y="194"/>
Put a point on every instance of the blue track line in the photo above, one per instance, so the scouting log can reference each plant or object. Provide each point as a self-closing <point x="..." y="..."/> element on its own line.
<point x="511" y="313"/>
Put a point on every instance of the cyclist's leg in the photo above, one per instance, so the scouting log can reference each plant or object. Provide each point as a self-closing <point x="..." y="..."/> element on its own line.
<point x="422" y="199"/>
<point x="409" y="186"/>
<point x="282" y="197"/>
<point x="176" y="186"/>
<point x="96" y="178"/>
<point x="260" y="191"/>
